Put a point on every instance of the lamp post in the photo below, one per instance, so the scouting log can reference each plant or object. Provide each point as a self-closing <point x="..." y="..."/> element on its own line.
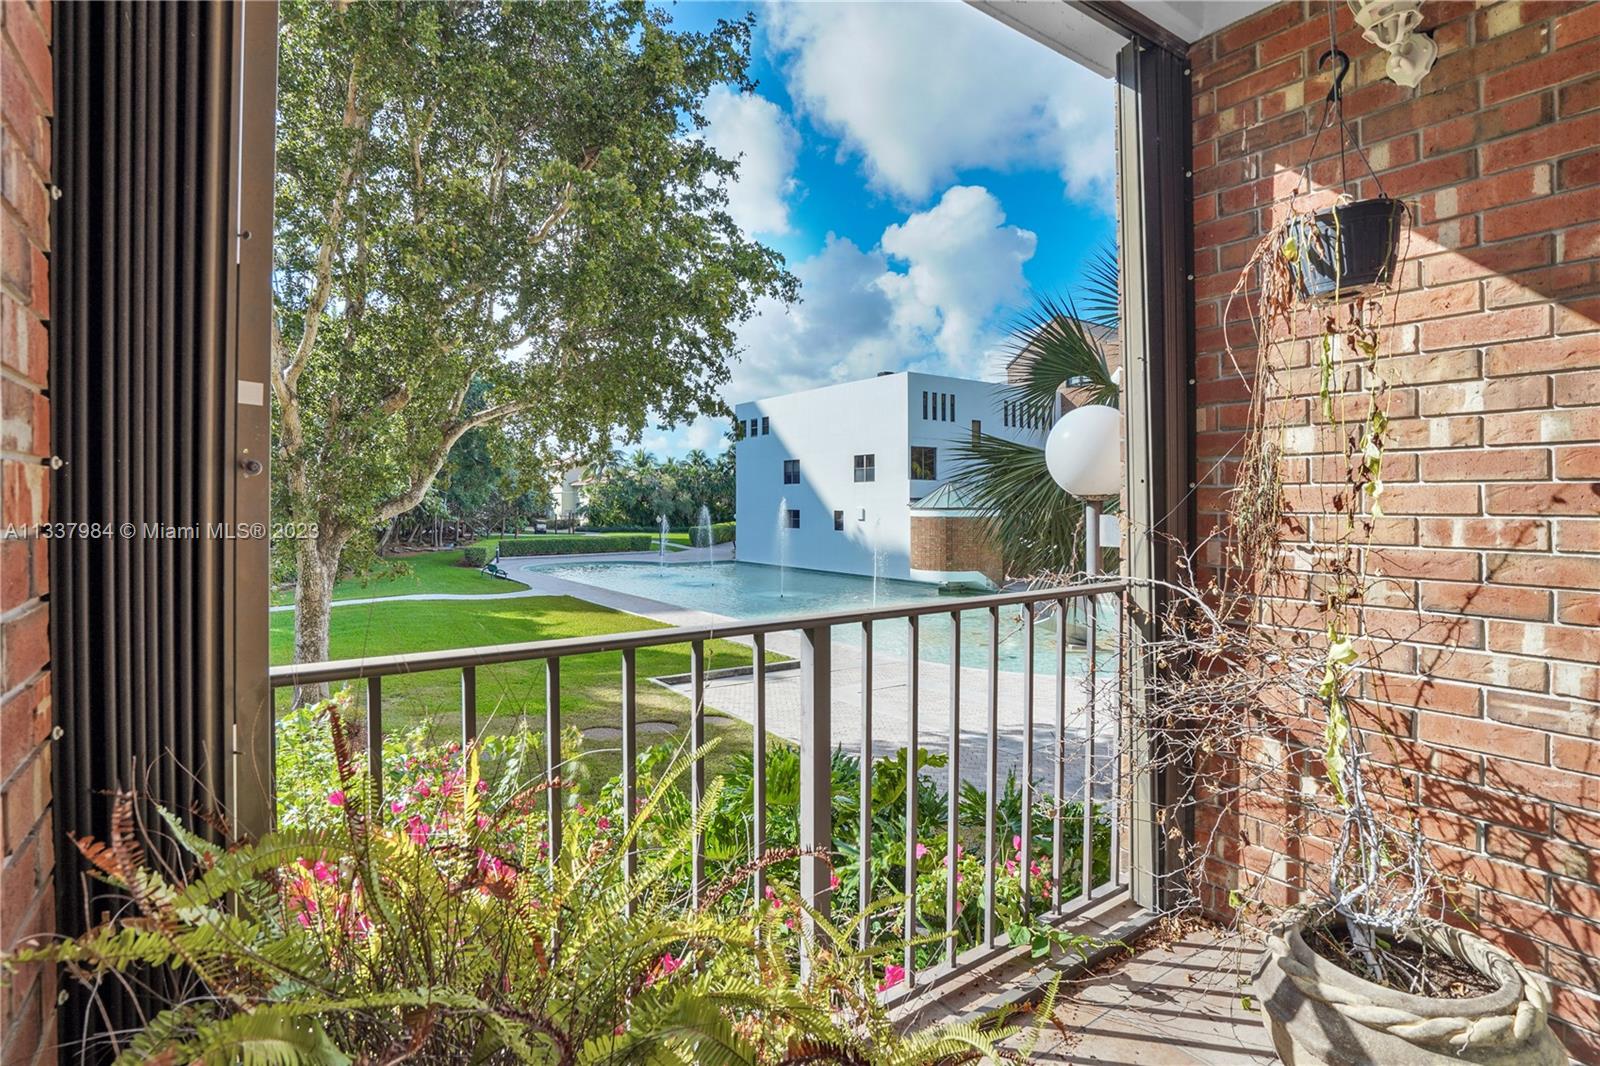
<point x="1084" y="455"/>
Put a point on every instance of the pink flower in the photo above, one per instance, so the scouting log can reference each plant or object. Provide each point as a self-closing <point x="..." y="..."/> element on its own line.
<point x="396" y="806"/>
<point x="603" y="822"/>
<point x="336" y="798"/>
<point x="833" y="880"/>
<point x="483" y="821"/>
<point x="320" y="871"/>
<point x="892" y="975"/>
<point x="483" y="786"/>
<point x="418" y="830"/>
<point x="1016" y="842"/>
<point x="922" y="849"/>
<point x="664" y="966"/>
<point x="423" y="789"/>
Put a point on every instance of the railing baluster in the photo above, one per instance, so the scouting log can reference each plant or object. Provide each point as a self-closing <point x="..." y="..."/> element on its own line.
<point x="375" y="738"/>
<point x="552" y="751"/>
<point x="469" y="706"/>
<point x="864" y="831"/>
<point x="991" y="780"/>
<point x="630" y="764"/>
<point x="1058" y="798"/>
<point x="1115" y="762"/>
<point x="1088" y="746"/>
<point x="953" y="794"/>
<point x="912" y="687"/>
<point x="1091" y="567"/>
<point x="816" y="777"/>
<point x="697" y="772"/>
<point x="1026" y="859"/>
<point x="760" y="755"/>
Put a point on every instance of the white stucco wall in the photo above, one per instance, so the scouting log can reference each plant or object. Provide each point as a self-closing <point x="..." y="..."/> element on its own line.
<point x="825" y="429"/>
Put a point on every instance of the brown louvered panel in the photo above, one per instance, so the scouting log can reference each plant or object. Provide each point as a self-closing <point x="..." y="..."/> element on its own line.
<point x="146" y="353"/>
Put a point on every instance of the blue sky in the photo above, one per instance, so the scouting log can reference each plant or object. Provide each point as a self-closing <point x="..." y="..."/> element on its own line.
<point x="922" y="168"/>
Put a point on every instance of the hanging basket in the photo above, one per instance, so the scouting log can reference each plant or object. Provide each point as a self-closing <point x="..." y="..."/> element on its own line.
<point x="1345" y="251"/>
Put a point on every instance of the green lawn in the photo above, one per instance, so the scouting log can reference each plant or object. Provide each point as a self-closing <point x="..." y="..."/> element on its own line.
<point x="441" y="571"/>
<point x="511" y="695"/>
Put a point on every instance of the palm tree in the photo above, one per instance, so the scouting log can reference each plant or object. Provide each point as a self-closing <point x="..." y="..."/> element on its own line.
<point x="1039" y="527"/>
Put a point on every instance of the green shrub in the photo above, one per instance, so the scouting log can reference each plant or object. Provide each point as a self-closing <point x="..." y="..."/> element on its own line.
<point x="475" y="557"/>
<point x="570" y="544"/>
<point x="436" y="923"/>
<point x="721" y="533"/>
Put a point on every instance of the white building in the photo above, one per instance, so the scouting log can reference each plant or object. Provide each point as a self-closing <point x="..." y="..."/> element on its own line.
<point x="843" y="465"/>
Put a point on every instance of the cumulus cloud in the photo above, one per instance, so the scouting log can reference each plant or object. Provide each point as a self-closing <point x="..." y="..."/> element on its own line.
<point x="756" y="132"/>
<point x="927" y="297"/>
<point x="962" y="263"/>
<point x="921" y="91"/>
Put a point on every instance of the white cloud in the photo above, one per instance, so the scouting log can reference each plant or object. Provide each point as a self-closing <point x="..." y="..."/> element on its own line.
<point x="928" y="297"/>
<point x="963" y="263"/>
<point x="920" y="91"/>
<point x="756" y="132"/>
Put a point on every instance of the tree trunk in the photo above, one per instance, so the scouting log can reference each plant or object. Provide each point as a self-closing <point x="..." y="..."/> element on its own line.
<point x="316" y="569"/>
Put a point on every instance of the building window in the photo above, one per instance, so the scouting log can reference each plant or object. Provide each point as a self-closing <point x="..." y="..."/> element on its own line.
<point x="793" y="518"/>
<point x="791" y="471"/>
<point x="838" y="521"/>
<point x="952" y="407"/>
<point x="977" y="430"/>
<point x="924" y="463"/>
<point x="866" y="468"/>
<point x="766" y="425"/>
<point x="944" y="405"/>
<point x="924" y="404"/>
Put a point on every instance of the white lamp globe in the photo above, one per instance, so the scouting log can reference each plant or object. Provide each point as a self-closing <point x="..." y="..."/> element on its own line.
<point x="1084" y="452"/>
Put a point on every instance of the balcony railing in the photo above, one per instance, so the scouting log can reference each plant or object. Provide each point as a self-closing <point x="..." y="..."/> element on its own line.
<point x="1099" y="789"/>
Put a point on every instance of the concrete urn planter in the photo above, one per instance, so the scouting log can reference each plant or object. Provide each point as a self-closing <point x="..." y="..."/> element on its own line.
<point x="1320" y="1014"/>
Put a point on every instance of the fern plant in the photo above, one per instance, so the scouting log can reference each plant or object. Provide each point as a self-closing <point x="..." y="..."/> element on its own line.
<point x="439" y="929"/>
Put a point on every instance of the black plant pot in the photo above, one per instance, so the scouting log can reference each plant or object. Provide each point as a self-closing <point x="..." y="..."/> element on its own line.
<point x="1347" y="250"/>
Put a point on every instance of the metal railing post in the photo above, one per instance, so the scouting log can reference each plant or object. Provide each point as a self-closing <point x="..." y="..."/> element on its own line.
<point x="816" y="773"/>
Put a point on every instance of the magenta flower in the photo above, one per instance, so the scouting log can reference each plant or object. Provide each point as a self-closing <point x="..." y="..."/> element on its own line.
<point x="418" y="830"/>
<point x="833" y="880"/>
<point x="892" y="975"/>
<point x="397" y="806"/>
<point x="1016" y="842"/>
<point x="604" y="822"/>
<point x="320" y="871"/>
<point x="922" y="849"/>
<point x="336" y="798"/>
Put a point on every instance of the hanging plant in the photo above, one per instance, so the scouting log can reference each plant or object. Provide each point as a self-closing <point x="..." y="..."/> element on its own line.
<point x="1347" y="250"/>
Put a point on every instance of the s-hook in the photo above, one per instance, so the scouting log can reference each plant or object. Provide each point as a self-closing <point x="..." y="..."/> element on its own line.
<point x="1336" y="91"/>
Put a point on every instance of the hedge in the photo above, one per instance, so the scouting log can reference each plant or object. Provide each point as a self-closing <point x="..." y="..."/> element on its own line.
<point x="475" y="557"/>
<point x="721" y="533"/>
<point x="577" y="544"/>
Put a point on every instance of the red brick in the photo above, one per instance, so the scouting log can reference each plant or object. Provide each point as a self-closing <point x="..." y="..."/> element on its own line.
<point x="1566" y="498"/>
<point x="1578" y="608"/>
<point x="26" y="642"/>
<point x="1577" y="535"/>
<point x="1487" y="328"/>
<point x="1565" y="64"/>
<point x="1519" y="220"/>
<point x="1569" y="717"/>
<point x="1575" y="643"/>
<point x="1550" y="353"/>
<point x="1488" y="600"/>
<point x="1549" y="427"/>
<point x="1547" y="142"/>
<point x="1582" y="23"/>
<point x="1532" y="534"/>
<point x="1579" y="462"/>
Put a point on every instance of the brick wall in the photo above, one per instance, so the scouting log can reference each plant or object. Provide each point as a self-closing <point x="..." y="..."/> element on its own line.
<point x="1492" y="544"/>
<point x="955" y="545"/>
<point x="26" y="888"/>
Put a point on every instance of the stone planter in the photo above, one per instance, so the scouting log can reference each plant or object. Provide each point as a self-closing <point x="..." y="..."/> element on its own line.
<point x="1320" y="1014"/>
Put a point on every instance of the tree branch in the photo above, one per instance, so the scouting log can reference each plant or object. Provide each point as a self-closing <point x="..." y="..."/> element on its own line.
<point x="402" y="503"/>
<point x="353" y="119"/>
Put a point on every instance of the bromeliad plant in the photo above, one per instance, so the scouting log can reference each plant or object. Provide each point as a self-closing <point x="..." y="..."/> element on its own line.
<point x="435" y="928"/>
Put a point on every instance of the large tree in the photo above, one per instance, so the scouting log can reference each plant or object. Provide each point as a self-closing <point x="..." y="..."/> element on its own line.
<point x="506" y="201"/>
